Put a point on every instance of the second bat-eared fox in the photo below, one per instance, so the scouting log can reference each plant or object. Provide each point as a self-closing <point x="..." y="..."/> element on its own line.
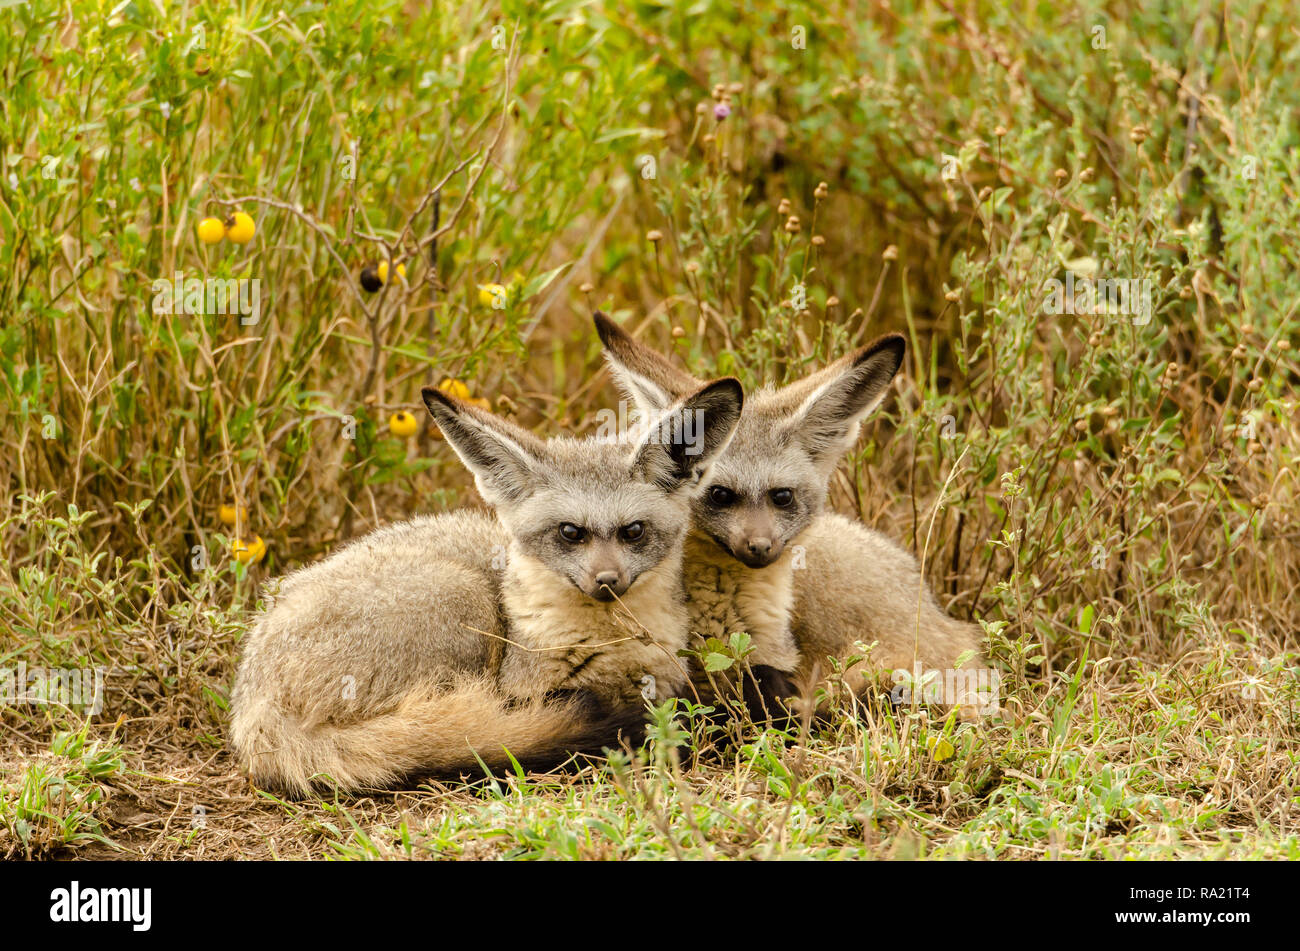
<point x="764" y="505"/>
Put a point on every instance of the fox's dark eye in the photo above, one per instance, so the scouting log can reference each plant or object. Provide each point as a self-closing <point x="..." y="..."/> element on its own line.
<point x="782" y="497"/>
<point x="572" y="533"/>
<point x="632" y="532"/>
<point x="721" y="496"/>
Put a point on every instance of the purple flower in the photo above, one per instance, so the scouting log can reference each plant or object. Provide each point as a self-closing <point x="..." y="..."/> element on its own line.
<point x="721" y="111"/>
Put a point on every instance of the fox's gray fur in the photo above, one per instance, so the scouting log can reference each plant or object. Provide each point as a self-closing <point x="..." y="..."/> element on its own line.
<point x="428" y="642"/>
<point x="855" y="585"/>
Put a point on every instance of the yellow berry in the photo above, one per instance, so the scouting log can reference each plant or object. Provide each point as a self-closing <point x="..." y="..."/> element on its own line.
<point x="211" y="230"/>
<point x="482" y="402"/>
<point x="375" y="276"/>
<point x="492" y="295"/>
<point x="454" y="388"/>
<point x="240" y="227"/>
<point x="403" y="425"/>
<point x="229" y="514"/>
<point x="246" y="552"/>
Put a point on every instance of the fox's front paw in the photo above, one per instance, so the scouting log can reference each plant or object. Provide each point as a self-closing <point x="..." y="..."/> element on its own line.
<point x="775" y="695"/>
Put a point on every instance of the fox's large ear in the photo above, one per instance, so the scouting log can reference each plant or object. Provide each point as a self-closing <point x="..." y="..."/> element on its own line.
<point x="646" y="376"/>
<point x="826" y="408"/>
<point x="681" y="444"/>
<point x="505" y="459"/>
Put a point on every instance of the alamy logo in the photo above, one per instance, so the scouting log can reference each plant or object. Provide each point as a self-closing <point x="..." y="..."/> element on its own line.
<point x="74" y="904"/>
<point x="683" y="427"/>
<point x="979" y="687"/>
<point x="213" y="295"/>
<point x="59" y="686"/>
<point x="1084" y="297"/>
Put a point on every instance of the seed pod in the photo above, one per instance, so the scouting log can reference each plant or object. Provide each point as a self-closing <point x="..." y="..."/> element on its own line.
<point x="240" y="227"/>
<point x="403" y="425"/>
<point x="211" y="230"/>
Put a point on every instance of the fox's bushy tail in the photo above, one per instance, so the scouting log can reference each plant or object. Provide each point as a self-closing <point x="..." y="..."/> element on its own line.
<point x="429" y="733"/>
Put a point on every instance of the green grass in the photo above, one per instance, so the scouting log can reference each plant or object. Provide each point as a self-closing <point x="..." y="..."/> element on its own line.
<point x="1121" y="501"/>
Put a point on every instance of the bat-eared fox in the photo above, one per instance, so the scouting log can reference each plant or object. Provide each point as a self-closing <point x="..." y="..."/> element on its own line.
<point x="762" y="555"/>
<point x="429" y="644"/>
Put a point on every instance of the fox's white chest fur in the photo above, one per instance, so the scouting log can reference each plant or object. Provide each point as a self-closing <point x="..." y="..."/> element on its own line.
<point x="725" y="596"/>
<point x="623" y="651"/>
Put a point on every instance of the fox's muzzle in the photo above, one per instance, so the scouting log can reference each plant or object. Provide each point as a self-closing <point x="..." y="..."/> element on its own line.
<point x="758" y="552"/>
<point x="756" y="542"/>
<point x="605" y="585"/>
<point x="606" y="576"/>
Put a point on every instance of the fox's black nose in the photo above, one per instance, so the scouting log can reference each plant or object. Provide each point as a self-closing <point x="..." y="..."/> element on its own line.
<point x="607" y="579"/>
<point x="759" y="547"/>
